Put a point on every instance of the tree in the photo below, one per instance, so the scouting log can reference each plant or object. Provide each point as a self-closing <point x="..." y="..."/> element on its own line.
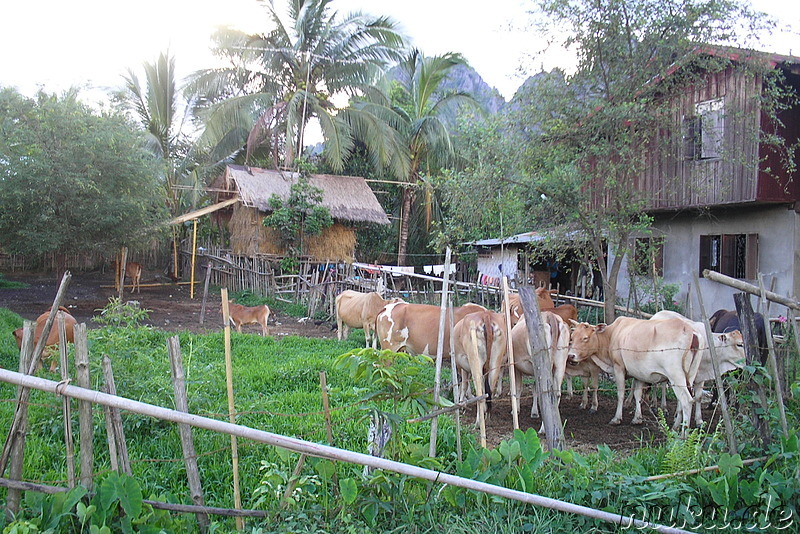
<point x="71" y="180"/>
<point x="588" y="157"/>
<point x="276" y="82"/>
<point x="159" y="108"/>
<point x="414" y="110"/>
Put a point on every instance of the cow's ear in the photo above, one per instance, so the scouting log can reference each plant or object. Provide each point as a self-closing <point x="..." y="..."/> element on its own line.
<point x="601" y="328"/>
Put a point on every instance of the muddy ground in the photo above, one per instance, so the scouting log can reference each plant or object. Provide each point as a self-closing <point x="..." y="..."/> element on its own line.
<point x="172" y="309"/>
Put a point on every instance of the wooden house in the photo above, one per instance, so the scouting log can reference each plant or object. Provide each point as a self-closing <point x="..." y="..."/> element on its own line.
<point x="349" y="200"/>
<point x="721" y="198"/>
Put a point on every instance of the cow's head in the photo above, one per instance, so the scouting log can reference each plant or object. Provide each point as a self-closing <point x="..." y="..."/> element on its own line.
<point x="584" y="342"/>
<point x="730" y="350"/>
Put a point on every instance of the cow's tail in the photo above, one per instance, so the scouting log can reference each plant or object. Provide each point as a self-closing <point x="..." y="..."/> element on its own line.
<point x="488" y="332"/>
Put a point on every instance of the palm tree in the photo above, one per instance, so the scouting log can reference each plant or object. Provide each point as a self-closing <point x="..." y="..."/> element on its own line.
<point x="416" y="110"/>
<point x="158" y="108"/>
<point x="276" y="82"/>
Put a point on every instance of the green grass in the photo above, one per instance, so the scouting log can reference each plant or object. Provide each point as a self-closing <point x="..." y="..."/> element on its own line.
<point x="8" y="284"/>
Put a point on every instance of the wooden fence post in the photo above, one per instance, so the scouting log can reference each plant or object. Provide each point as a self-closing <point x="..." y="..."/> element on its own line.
<point x="226" y="314"/>
<point x="733" y="447"/>
<point x="115" y="420"/>
<point x="510" y="352"/>
<point x="454" y="379"/>
<point x="773" y="363"/>
<point x="17" y="455"/>
<point x="123" y="264"/>
<point x="66" y="404"/>
<point x="205" y="293"/>
<point x="439" y="354"/>
<point x="187" y="441"/>
<point x="542" y="365"/>
<point x="84" y="407"/>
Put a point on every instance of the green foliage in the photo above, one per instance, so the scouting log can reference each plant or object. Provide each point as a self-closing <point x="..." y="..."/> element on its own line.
<point x="72" y="180"/>
<point x="301" y="215"/>
<point x="121" y="314"/>
<point x="8" y="284"/>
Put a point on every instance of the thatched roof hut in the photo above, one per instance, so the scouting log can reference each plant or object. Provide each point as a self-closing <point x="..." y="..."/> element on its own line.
<point x="349" y="199"/>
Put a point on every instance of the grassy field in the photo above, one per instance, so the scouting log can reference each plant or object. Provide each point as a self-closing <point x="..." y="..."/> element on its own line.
<point x="277" y="388"/>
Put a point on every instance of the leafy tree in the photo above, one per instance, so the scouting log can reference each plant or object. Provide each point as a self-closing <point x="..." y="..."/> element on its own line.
<point x="588" y="154"/>
<point x="160" y="109"/>
<point x="72" y="180"/>
<point x="301" y="215"/>
<point x="277" y="81"/>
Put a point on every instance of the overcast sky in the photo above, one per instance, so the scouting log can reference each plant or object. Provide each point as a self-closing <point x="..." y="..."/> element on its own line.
<point x="56" y="44"/>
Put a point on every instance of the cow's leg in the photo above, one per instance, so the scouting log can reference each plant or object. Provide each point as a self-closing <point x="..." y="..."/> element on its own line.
<point x="594" y="380"/>
<point x="339" y="327"/>
<point x="367" y="333"/>
<point x="476" y="369"/>
<point x="619" y="379"/>
<point x="638" y="386"/>
<point x="570" y="391"/>
<point x="585" y="397"/>
<point x="698" y="404"/>
<point x="684" y="407"/>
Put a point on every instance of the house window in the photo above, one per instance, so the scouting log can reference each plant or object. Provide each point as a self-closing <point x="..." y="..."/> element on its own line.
<point x="734" y="255"/>
<point x="703" y="131"/>
<point x="648" y="257"/>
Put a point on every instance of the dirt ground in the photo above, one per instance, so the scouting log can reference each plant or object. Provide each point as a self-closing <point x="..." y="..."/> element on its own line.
<point x="173" y="310"/>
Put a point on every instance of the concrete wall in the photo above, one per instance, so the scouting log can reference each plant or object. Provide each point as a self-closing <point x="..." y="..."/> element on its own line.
<point x="778" y="230"/>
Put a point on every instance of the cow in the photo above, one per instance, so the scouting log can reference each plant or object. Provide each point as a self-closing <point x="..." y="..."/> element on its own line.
<point x="646" y="350"/>
<point x="133" y="271"/>
<point x="414" y="328"/>
<point x="544" y="297"/>
<point x="52" y="337"/>
<point x="480" y="350"/>
<point x="359" y="310"/>
<point x="240" y="315"/>
<point x="557" y="338"/>
<point x="722" y="321"/>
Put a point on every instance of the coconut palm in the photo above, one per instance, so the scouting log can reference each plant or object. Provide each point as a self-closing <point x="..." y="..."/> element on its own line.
<point x="416" y="110"/>
<point x="158" y="107"/>
<point x="275" y="82"/>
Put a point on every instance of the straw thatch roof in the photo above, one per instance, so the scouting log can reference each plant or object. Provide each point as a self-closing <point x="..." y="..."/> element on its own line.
<point x="348" y="198"/>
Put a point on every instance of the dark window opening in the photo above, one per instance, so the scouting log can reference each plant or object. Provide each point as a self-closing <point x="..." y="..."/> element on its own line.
<point x="734" y="255"/>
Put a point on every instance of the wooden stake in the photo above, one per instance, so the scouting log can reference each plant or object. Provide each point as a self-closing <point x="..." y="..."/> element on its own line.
<point x="116" y="419"/>
<point x="773" y="362"/>
<point x="226" y="314"/>
<point x="84" y="406"/>
<point x="194" y="257"/>
<point x="454" y="375"/>
<point x="17" y="458"/>
<point x="123" y="265"/>
<point x="542" y="366"/>
<point x="733" y="447"/>
<point x="187" y="441"/>
<point x="510" y="352"/>
<point x="66" y="404"/>
<point x="439" y="353"/>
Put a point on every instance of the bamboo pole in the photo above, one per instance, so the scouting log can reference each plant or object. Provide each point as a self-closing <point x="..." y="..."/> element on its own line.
<point x="226" y="314"/>
<point x="116" y="420"/>
<point x="174" y="252"/>
<point x="205" y="293"/>
<point x="17" y="457"/>
<point x="439" y="354"/>
<point x="454" y="379"/>
<point x="84" y="406"/>
<point x="510" y="351"/>
<point x="773" y="362"/>
<point x="194" y="257"/>
<point x="66" y="404"/>
<point x="733" y="447"/>
<point x="324" y="451"/>
<point x="750" y="288"/>
<point x="185" y="431"/>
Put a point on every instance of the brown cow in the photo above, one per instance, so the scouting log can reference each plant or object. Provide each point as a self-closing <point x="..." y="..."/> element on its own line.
<point x="133" y="272"/>
<point x="359" y="310"/>
<point x="415" y="327"/>
<point x="240" y="315"/>
<point x="480" y="349"/>
<point x="52" y="337"/>
<point x="567" y="312"/>
<point x="648" y="351"/>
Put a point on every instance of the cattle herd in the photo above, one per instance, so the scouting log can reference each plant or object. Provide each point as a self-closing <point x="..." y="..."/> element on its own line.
<point x="665" y="349"/>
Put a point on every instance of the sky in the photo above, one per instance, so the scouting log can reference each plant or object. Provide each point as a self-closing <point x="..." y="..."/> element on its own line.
<point x="57" y="44"/>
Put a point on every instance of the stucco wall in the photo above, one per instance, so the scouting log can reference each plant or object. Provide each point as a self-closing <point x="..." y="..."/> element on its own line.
<point x="778" y="230"/>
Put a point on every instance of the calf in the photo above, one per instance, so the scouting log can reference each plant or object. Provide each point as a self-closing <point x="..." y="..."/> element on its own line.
<point x="52" y="337"/>
<point x="567" y="312"/>
<point x="359" y="310"/>
<point x="240" y="315"/>
<point x="480" y="350"/>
